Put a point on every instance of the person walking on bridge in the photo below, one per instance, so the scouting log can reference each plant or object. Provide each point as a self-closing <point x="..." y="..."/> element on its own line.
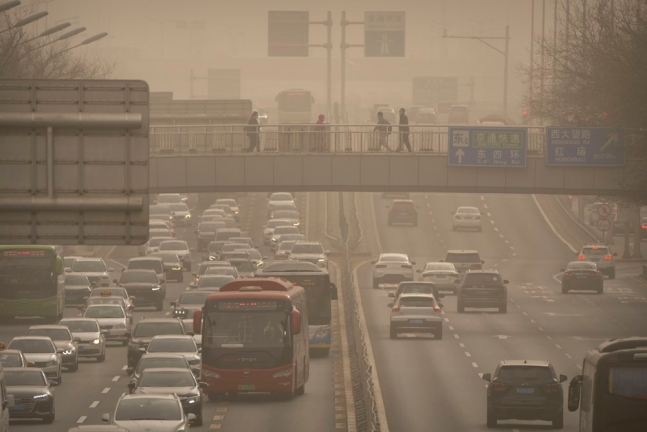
<point x="383" y="130"/>
<point x="252" y="132"/>
<point x="403" y="128"/>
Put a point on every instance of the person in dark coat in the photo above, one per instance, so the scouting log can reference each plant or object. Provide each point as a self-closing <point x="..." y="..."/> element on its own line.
<point x="404" y="131"/>
<point x="252" y="132"/>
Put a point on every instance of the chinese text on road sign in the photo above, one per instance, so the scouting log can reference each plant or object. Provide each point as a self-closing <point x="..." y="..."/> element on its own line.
<point x="585" y="146"/>
<point x="384" y="34"/>
<point x="489" y="147"/>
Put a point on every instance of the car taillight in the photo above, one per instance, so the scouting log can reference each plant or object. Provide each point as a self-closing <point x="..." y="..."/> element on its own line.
<point x="380" y="266"/>
<point x="396" y="308"/>
<point x="437" y="309"/>
<point x="497" y="386"/>
<point x="608" y="257"/>
<point x="457" y="217"/>
<point x="581" y="257"/>
<point x="552" y="387"/>
<point x="567" y="275"/>
<point x="408" y="266"/>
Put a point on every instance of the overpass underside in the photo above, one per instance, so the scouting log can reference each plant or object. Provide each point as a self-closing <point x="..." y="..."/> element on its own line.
<point x="421" y="172"/>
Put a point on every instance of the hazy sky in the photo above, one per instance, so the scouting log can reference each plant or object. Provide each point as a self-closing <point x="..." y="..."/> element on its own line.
<point x="161" y="40"/>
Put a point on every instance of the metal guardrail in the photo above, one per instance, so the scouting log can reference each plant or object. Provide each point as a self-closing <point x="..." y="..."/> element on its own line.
<point x="307" y="138"/>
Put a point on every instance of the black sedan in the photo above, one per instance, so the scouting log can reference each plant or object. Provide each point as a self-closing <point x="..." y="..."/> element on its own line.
<point x="172" y="266"/>
<point x="582" y="275"/>
<point x="33" y="394"/>
<point x="77" y="289"/>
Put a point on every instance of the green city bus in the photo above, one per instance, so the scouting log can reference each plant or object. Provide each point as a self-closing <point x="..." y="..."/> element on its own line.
<point x="32" y="283"/>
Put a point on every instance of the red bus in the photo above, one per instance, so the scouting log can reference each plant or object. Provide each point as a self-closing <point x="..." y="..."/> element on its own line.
<point x="252" y="338"/>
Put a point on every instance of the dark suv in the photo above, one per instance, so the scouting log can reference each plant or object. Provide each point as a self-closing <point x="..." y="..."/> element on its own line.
<point x="403" y="211"/>
<point x="483" y="289"/>
<point x="144" y="331"/>
<point x="525" y="390"/>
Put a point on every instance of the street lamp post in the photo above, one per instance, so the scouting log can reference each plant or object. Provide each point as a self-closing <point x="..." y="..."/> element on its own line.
<point x="9" y="5"/>
<point x="51" y="31"/>
<point x="87" y="41"/>
<point x="27" y="20"/>
<point x="60" y="38"/>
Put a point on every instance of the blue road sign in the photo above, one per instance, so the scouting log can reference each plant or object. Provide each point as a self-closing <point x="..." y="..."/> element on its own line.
<point x="585" y="146"/>
<point x="384" y="43"/>
<point x="487" y="147"/>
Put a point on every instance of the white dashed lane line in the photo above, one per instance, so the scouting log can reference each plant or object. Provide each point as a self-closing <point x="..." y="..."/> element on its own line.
<point x="568" y="355"/>
<point x="81" y="419"/>
<point x="116" y="378"/>
<point x="124" y="367"/>
<point x="94" y="404"/>
<point x="105" y="390"/>
<point x="456" y="336"/>
<point x="558" y="346"/>
<point x="475" y="365"/>
<point x="467" y="354"/>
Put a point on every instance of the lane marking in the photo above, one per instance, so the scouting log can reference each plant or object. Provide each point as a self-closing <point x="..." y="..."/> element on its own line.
<point x="497" y="230"/>
<point x="579" y="366"/>
<point x="105" y="390"/>
<point x="456" y="336"/>
<point x="540" y="329"/>
<point x="492" y="221"/>
<point x="568" y="356"/>
<point x="489" y="214"/>
<point x="549" y="337"/>
<point x="81" y="419"/>
<point x="446" y="319"/>
<point x="525" y="313"/>
<point x="474" y="365"/>
<point x="116" y="378"/>
<point x="552" y="227"/>
<point x="94" y="404"/>
<point x="462" y="345"/>
<point x="558" y="346"/>
<point x="533" y="321"/>
<point x="485" y="206"/>
<point x="482" y="198"/>
<point x="124" y="367"/>
<point x="467" y="354"/>
<point x="451" y="327"/>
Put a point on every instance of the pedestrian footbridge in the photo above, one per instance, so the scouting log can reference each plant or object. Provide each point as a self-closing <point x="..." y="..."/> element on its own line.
<point x="351" y="158"/>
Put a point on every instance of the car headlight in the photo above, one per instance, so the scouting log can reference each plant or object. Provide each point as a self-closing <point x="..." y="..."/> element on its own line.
<point x="156" y="288"/>
<point x="187" y="216"/>
<point x="273" y="239"/>
<point x="96" y="341"/>
<point x="322" y="259"/>
<point x="51" y="363"/>
<point x="68" y="352"/>
<point x="41" y="396"/>
<point x="283" y="373"/>
<point x="176" y="268"/>
<point x="212" y="258"/>
<point x="120" y="326"/>
<point x="194" y="361"/>
<point x="210" y="374"/>
<point x="193" y="399"/>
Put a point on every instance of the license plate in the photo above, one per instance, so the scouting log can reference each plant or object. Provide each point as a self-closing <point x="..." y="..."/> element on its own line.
<point x="247" y="387"/>
<point x="19" y="407"/>
<point x="416" y="321"/>
<point x="441" y="276"/>
<point x="525" y="390"/>
<point x="581" y="277"/>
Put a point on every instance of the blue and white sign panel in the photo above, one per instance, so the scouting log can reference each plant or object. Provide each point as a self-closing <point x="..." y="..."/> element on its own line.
<point x="487" y="147"/>
<point x="585" y="146"/>
<point x="384" y="33"/>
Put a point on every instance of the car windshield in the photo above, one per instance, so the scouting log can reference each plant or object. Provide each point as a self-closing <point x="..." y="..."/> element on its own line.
<point x="417" y="302"/>
<point x="89" y="266"/>
<point x="10" y="359"/>
<point x="150" y="329"/>
<point x="393" y="258"/>
<point x="482" y="278"/>
<point x="463" y="258"/>
<point x="106" y="300"/>
<point x="468" y="210"/>
<point x="417" y="288"/>
<point x="232" y="247"/>
<point x="214" y="281"/>
<point x="286" y="230"/>
<point x="227" y="201"/>
<point x="231" y="271"/>
<point x="67" y="262"/>
<point x="300" y="248"/>
<point x="172" y="345"/>
<point x="286" y="245"/>
<point x="254" y="254"/>
<point x="104" y="311"/>
<point x="173" y="245"/>
<point x="273" y="223"/>
<point x="582" y="265"/>
<point x="76" y="280"/>
<point x="147" y="264"/>
<point x="25" y="378"/>
<point x="102" y="292"/>
<point x="152" y="378"/>
<point x="164" y="210"/>
<point x="155" y="241"/>
<point x="524" y="374"/>
<point x="53" y="334"/>
<point x="295" y="237"/>
<point x="32" y="346"/>
<point x="138" y="276"/>
<point x="206" y="266"/>
<point x="193" y="298"/>
<point x="244" y="266"/>
<point x="168" y="258"/>
<point x="148" y="409"/>
<point x="286" y="214"/>
<point x="281" y="196"/>
<point x="179" y="207"/>
<point x="217" y="246"/>
<point x="81" y="326"/>
<point x="211" y="226"/>
<point x="233" y="254"/>
<point x="161" y="362"/>
<point x="595" y="251"/>
<point x="439" y="266"/>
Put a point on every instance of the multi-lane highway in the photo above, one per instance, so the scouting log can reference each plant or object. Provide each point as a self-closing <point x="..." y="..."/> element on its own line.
<point x="424" y="382"/>
<point x="436" y="383"/>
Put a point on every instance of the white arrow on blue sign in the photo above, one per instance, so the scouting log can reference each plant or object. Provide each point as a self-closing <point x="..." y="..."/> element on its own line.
<point x="585" y="146"/>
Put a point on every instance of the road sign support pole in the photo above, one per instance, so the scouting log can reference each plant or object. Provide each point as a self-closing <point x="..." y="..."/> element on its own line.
<point x="505" y="55"/>
<point x="344" y="46"/>
<point x="50" y="162"/>
<point x="328" y="47"/>
<point x="191" y="78"/>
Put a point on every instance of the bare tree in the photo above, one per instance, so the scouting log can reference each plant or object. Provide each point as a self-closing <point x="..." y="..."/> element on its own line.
<point x="595" y="74"/>
<point x="24" y="57"/>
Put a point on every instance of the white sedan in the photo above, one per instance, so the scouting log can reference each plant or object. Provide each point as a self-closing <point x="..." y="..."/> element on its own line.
<point x="444" y="275"/>
<point x="467" y="218"/>
<point x="392" y="268"/>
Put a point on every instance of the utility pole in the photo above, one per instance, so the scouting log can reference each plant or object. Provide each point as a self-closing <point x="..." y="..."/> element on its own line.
<point x="344" y="46"/>
<point x="555" y="38"/>
<point x="505" y="56"/>
<point x="543" y="43"/>
<point x="328" y="47"/>
<point x="532" y="48"/>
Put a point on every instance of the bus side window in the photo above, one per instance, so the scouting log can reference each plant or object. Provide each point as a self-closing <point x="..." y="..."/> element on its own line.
<point x="59" y="266"/>
<point x="333" y="291"/>
<point x="574" y="393"/>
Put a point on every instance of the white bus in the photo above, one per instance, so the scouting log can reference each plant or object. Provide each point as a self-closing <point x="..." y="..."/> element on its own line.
<point x="295" y="106"/>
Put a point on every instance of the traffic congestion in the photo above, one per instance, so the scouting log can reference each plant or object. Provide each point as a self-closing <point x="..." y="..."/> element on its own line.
<point x="175" y="332"/>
